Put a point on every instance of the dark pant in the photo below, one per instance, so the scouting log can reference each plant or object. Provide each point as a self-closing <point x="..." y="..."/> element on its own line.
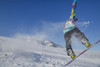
<point x="78" y="34"/>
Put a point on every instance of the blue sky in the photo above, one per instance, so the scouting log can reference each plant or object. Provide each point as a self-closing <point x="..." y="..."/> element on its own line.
<point x="47" y="17"/>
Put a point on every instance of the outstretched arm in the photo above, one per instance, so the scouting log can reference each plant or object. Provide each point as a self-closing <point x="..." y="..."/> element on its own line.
<point x="73" y="13"/>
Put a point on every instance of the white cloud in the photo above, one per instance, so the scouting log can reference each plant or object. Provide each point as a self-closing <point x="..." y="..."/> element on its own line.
<point x="44" y="31"/>
<point x="49" y="29"/>
<point x="83" y="24"/>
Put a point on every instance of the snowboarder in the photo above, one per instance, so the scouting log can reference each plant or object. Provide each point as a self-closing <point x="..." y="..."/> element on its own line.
<point x="70" y="29"/>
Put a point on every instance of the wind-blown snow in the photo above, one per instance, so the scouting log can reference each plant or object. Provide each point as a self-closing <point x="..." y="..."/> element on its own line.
<point x="30" y="52"/>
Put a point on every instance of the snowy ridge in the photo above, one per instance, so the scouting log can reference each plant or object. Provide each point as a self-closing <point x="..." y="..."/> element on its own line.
<point x="49" y="43"/>
<point x="30" y="52"/>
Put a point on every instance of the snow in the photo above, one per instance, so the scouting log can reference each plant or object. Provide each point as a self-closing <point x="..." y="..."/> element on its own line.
<point x="31" y="52"/>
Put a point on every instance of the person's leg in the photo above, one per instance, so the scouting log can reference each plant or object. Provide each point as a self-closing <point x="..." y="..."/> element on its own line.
<point x="80" y="35"/>
<point x="69" y="50"/>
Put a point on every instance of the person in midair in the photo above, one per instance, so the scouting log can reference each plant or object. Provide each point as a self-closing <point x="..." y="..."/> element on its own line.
<point x="70" y="29"/>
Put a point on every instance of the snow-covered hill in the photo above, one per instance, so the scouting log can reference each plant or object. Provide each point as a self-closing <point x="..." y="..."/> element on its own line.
<point x="49" y="43"/>
<point x="30" y="52"/>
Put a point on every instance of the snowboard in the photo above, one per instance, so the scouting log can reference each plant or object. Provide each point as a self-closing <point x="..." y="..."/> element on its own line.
<point x="82" y="53"/>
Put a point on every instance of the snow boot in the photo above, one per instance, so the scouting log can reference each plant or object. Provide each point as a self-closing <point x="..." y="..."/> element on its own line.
<point x="71" y="53"/>
<point x="85" y="42"/>
<point x="88" y="45"/>
<point x="73" y="56"/>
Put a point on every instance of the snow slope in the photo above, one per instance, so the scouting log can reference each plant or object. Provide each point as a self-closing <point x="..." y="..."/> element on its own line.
<point x="30" y="52"/>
